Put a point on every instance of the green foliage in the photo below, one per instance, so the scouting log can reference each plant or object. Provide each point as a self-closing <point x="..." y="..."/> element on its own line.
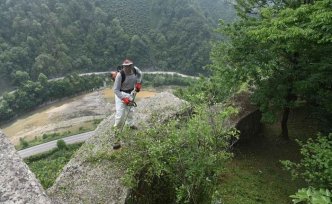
<point x="58" y="37"/>
<point x="179" y="161"/>
<point x="5" y="111"/>
<point x="31" y="94"/>
<point x="312" y="196"/>
<point x="281" y="53"/>
<point x="61" y="144"/>
<point x="205" y="91"/>
<point x="97" y="121"/>
<point x="23" y="143"/>
<point x="156" y="80"/>
<point x="20" y="77"/>
<point x="316" y="166"/>
<point x="48" y="166"/>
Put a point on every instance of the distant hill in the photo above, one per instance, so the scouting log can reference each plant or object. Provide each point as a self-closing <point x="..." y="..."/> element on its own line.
<point x="56" y="37"/>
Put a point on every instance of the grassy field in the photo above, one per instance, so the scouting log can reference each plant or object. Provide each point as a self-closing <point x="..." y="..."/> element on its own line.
<point x="255" y="175"/>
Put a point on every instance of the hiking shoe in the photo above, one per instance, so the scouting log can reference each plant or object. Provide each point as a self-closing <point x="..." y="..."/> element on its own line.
<point x="117" y="145"/>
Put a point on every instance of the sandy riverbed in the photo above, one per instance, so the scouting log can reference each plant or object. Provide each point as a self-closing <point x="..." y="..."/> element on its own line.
<point x="65" y="115"/>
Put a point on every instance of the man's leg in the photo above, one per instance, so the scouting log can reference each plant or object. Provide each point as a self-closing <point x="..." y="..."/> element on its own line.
<point x="118" y="120"/>
<point x="119" y="112"/>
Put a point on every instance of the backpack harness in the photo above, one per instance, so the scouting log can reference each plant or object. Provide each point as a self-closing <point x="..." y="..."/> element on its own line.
<point x="123" y="77"/>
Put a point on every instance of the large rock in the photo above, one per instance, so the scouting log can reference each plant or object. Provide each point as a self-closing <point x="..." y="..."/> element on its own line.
<point x="92" y="177"/>
<point x="248" y="119"/>
<point x="89" y="179"/>
<point x="17" y="183"/>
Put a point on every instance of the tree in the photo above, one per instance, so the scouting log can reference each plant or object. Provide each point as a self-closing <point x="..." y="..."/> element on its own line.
<point x="61" y="144"/>
<point x="137" y="47"/>
<point x="5" y="111"/>
<point x="283" y="54"/>
<point x="20" y="77"/>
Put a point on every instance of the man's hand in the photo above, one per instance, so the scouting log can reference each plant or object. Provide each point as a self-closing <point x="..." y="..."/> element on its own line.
<point x="126" y="101"/>
<point x="138" y="87"/>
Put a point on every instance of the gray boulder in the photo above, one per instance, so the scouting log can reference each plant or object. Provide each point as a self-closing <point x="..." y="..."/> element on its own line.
<point x="17" y="183"/>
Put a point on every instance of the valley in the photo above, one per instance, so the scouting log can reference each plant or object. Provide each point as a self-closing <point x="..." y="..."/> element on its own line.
<point x="67" y="115"/>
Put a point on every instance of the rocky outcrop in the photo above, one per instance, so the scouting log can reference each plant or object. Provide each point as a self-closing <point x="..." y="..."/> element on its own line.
<point x="248" y="119"/>
<point x="17" y="183"/>
<point x="87" y="178"/>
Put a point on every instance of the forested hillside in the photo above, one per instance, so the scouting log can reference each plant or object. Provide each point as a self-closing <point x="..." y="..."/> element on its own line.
<point x="56" y="37"/>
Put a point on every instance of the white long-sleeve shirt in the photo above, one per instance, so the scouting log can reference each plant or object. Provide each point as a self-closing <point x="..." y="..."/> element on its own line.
<point x="129" y="83"/>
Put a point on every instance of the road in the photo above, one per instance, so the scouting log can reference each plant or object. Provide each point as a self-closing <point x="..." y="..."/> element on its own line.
<point x="50" y="145"/>
<point x="104" y="73"/>
<point x="152" y="72"/>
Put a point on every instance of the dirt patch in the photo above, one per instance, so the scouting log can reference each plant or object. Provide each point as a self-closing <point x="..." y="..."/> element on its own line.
<point x="65" y="115"/>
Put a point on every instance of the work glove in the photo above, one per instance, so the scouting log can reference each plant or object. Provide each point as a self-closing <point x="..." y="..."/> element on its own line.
<point x="138" y="87"/>
<point x="126" y="101"/>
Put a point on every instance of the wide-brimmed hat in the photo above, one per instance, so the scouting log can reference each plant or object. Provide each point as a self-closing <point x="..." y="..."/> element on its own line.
<point x="127" y="62"/>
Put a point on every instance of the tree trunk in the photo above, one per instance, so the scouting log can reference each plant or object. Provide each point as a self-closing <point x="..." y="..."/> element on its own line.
<point x="284" y="128"/>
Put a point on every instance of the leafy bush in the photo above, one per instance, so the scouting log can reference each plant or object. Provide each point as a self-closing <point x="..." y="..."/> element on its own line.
<point x="23" y="143"/>
<point x="61" y="144"/>
<point x="312" y="196"/>
<point x="316" y="166"/>
<point x="179" y="161"/>
<point x="205" y="90"/>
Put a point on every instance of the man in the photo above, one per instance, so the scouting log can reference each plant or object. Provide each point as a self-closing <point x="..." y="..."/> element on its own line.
<point x="129" y="79"/>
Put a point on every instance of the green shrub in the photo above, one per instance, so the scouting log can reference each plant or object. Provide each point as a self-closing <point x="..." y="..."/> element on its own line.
<point x="179" y="161"/>
<point x="316" y="165"/>
<point x="23" y="143"/>
<point x="61" y="144"/>
<point x="312" y="196"/>
<point x="315" y="168"/>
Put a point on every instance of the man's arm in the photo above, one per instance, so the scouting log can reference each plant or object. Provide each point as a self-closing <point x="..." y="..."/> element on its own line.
<point x="139" y="75"/>
<point x="117" y="86"/>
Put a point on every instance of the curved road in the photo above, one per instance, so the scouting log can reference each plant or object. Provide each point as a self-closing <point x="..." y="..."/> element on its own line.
<point x="152" y="72"/>
<point x="50" y="145"/>
<point x="103" y="73"/>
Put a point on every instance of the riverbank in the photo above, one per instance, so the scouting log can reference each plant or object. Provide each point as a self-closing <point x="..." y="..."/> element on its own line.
<point x="68" y="115"/>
